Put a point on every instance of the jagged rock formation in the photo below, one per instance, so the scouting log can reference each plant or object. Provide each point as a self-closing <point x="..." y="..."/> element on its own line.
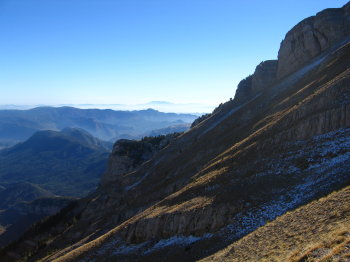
<point x="127" y="155"/>
<point x="279" y="144"/>
<point x="200" y="119"/>
<point x="264" y="75"/>
<point x="311" y="37"/>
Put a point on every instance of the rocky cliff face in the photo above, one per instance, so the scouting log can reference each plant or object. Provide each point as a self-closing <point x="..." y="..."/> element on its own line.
<point x="279" y="144"/>
<point x="264" y="76"/>
<point x="304" y="42"/>
<point x="311" y="37"/>
<point x="127" y="155"/>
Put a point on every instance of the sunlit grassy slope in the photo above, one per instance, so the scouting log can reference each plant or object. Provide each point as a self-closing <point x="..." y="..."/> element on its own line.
<point x="319" y="231"/>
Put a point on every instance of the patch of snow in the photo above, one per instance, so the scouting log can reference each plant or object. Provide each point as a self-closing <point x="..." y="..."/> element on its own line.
<point x="323" y="175"/>
<point x="127" y="249"/>
<point x="211" y="188"/>
<point x="177" y="241"/>
<point x="328" y="166"/>
<point x="116" y="246"/>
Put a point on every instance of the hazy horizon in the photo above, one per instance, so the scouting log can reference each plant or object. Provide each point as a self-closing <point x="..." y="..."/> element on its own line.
<point x="162" y="106"/>
<point x="131" y="52"/>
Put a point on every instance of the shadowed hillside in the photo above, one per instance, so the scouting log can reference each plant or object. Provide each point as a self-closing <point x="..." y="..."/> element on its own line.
<point x="68" y="163"/>
<point x="319" y="231"/>
<point x="281" y="143"/>
<point x="23" y="204"/>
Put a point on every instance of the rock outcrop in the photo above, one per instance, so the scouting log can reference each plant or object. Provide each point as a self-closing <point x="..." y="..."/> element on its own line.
<point x="127" y="155"/>
<point x="279" y="144"/>
<point x="200" y="119"/>
<point x="264" y="75"/>
<point x="311" y="37"/>
<point x="303" y="43"/>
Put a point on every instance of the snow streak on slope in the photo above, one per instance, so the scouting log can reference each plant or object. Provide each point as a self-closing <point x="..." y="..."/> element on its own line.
<point x="323" y="168"/>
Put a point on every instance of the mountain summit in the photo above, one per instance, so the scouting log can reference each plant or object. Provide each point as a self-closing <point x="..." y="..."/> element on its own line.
<point x="282" y="142"/>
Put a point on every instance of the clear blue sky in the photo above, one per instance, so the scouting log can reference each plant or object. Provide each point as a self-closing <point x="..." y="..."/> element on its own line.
<point x="135" y="51"/>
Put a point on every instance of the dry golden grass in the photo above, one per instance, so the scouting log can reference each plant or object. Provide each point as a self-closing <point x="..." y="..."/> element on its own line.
<point x="205" y="157"/>
<point x="337" y="248"/>
<point x="213" y="170"/>
<point x="319" y="231"/>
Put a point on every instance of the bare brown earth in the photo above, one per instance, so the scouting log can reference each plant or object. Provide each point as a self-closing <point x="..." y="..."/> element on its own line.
<point x="276" y="148"/>
<point x="224" y="186"/>
<point x="319" y="231"/>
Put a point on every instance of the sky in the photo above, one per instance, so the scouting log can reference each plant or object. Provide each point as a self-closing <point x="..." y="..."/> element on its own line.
<point x="135" y="51"/>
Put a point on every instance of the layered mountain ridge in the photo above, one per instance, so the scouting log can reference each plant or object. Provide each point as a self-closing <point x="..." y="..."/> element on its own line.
<point x="109" y="125"/>
<point x="311" y="37"/>
<point x="279" y="144"/>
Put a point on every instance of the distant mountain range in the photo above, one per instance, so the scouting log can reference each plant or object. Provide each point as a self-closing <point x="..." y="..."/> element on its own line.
<point x="237" y="185"/>
<point x="163" y="106"/>
<point x="67" y="163"/>
<point x="49" y="156"/>
<point x="109" y="125"/>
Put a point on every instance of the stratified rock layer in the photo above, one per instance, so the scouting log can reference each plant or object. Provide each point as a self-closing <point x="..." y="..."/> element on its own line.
<point x="127" y="155"/>
<point x="311" y="37"/>
<point x="280" y="143"/>
<point x="264" y="76"/>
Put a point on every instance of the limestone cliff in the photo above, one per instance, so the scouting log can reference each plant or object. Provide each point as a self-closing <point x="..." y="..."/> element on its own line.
<point x="280" y="143"/>
<point x="303" y="43"/>
<point x="127" y="155"/>
<point x="264" y="76"/>
<point x="311" y="37"/>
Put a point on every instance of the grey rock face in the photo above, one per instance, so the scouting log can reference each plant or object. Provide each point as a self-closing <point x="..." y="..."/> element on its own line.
<point x="127" y="155"/>
<point x="264" y="75"/>
<point x="311" y="37"/>
<point x="244" y="90"/>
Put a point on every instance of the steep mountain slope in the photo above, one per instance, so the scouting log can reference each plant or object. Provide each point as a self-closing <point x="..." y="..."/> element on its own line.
<point x="23" y="204"/>
<point x="281" y="143"/>
<point x="17" y="218"/>
<point x="19" y="125"/>
<point x="319" y="231"/>
<point x="67" y="163"/>
<point x="128" y="155"/>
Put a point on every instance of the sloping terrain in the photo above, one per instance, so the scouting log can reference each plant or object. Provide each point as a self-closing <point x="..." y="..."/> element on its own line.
<point x="23" y="204"/>
<point x="319" y="231"/>
<point x="18" y="125"/>
<point x="68" y="163"/>
<point x="14" y="193"/>
<point x="281" y="143"/>
<point x="17" y="218"/>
